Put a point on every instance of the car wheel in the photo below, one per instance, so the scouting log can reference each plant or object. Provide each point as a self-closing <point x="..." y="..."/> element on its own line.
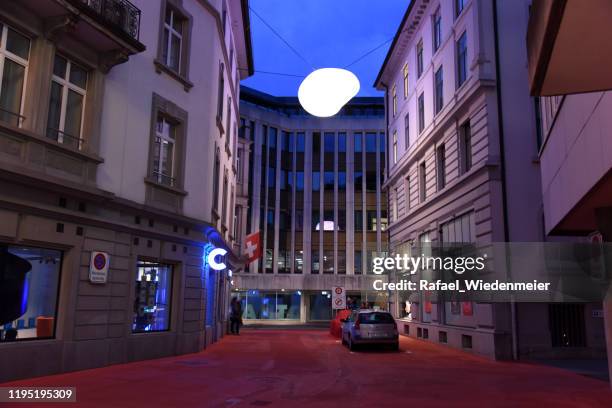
<point x="395" y="346"/>
<point x="351" y="345"/>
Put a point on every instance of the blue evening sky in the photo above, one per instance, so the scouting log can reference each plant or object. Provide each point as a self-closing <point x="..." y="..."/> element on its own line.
<point x="328" y="33"/>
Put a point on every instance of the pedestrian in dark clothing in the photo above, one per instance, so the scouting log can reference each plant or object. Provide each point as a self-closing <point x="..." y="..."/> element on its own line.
<point x="235" y="316"/>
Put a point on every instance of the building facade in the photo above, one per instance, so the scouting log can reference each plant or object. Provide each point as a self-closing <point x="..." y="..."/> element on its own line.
<point x="118" y="132"/>
<point x="461" y="168"/>
<point x="573" y="87"/>
<point x="314" y="193"/>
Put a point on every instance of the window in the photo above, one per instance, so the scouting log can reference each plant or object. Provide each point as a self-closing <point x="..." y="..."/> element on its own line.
<point x="421" y="107"/>
<point x="341" y="180"/>
<point x="419" y="55"/>
<point x="394" y="100"/>
<point x="437" y="30"/>
<point x="461" y="59"/>
<point x="173" y="39"/>
<point x="422" y="180"/>
<point x="394" y="146"/>
<point x="328" y="180"/>
<point x="216" y="175"/>
<point x="316" y="143"/>
<point x="459" y="4"/>
<point x="370" y="180"/>
<point x="358" y="180"/>
<point x="30" y="278"/>
<point x="328" y="142"/>
<point x="299" y="220"/>
<point x="371" y="220"/>
<point x="228" y="120"/>
<point x="395" y="203"/>
<point x="358" y="142"/>
<point x="465" y="148"/>
<point x="371" y="142"/>
<point x="164" y="151"/>
<point x="225" y="199"/>
<point x="407" y="194"/>
<point x="328" y="261"/>
<point x="358" y="263"/>
<point x="315" y="220"/>
<point x="272" y="135"/>
<point x="405" y="71"/>
<point x="384" y="221"/>
<point x="14" y="55"/>
<point x="439" y="98"/>
<point x="316" y="181"/>
<point x="68" y="90"/>
<point x="153" y="297"/>
<point x="239" y="170"/>
<point x="459" y="230"/>
<point x="314" y="254"/>
<point x="342" y="142"/>
<point x="358" y="220"/>
<point x="271" y="177"/>
<point x="300" y="143"/>
<point x="220" y="93"/>
<point x="407" y="131"/>
<point x="441" y="166"/>
<point x="299" y="181"/>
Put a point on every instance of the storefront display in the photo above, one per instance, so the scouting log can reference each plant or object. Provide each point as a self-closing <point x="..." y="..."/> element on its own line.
<point x="153" y="297"/>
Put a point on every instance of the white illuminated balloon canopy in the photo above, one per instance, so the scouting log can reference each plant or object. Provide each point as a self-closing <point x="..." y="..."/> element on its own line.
<point x="325" y="91"/>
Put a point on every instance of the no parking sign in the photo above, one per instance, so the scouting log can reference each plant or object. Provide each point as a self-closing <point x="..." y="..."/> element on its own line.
<point x="338" y="297"/>
<point x="98" y="267"/>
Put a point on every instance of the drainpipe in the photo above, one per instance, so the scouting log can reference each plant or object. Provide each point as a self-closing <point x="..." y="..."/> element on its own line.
<point x="500" y="121"/>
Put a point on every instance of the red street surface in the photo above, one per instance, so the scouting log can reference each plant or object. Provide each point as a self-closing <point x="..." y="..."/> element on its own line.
<point x="294" y="368"/>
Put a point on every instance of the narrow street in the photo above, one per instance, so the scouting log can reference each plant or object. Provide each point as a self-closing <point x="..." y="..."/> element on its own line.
<point x="294" y="368"/>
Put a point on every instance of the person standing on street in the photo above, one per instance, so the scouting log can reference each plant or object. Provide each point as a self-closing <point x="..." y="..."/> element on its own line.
<point x="235" y="316"/>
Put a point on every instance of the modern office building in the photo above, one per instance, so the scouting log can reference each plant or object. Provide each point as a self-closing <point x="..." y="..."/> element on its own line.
<point x="314" y="192"/>
<point x="574" y="85"/>
<point x="118" y="131"/>
<point x="462" y="164"/>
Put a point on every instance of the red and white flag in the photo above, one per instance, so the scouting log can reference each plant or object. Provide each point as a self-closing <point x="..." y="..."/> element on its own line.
<point x="252" y="246"/>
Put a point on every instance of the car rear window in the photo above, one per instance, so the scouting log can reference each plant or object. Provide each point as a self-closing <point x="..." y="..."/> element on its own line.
<point x="375" y="318"/>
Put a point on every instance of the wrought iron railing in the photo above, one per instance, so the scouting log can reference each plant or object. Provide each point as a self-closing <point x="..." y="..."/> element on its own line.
<point x="119" y="13"/>
<point x="164" y="179"/>
<point x="65" y="138"/>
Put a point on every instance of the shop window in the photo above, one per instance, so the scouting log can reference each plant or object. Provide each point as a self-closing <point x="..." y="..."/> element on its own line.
<point x="276" y="305"/>
<point x="29" y="279"/>
<point x="153" y="297"/>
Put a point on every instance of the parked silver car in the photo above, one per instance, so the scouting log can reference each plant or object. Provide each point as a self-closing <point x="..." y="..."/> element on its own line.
<point x="370" y="327"/>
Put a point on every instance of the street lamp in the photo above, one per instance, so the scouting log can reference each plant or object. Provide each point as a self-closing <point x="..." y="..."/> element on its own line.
<point x="325" y="91"/>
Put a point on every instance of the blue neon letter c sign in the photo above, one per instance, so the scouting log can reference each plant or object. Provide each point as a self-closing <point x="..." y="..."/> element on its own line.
<point x="212" y="262"/>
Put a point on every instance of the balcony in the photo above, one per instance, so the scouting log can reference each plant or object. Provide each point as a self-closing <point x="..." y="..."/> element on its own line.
<point x="119" y="14"/>
<point x="569" y="47"/>
<point x="109" y="27"/>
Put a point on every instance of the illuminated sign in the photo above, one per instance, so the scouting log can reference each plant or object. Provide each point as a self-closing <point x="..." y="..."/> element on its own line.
<point x="212" y="261"/>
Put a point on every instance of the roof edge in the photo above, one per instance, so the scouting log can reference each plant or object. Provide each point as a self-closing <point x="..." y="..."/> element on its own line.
<point x="393" y="44"/>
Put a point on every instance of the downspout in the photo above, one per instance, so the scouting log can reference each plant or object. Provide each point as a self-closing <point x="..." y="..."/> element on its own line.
<point x="500" y="121"/>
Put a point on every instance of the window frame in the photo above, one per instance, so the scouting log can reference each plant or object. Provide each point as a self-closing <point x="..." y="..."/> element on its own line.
<point x="421" y="111"/>
<point x="436" y="30"/>
<point x="419" y="58"/>
<point x="438" y="90"/>
<point x="394" y="100"/>
<point x="461" y="60"/>
<point x="179" y="118"/>
<point x="405" y="74"/>
<point x="4" y="53"/>
<point x="162" y="65"/>
<point x="441" y="166"/>
<point x="407" y="131"/>
<point x="68" y="86"/>
<point x="395" y="147"/>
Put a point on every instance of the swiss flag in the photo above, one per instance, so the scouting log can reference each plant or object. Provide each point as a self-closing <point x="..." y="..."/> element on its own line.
<point x="252" y="246"/>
